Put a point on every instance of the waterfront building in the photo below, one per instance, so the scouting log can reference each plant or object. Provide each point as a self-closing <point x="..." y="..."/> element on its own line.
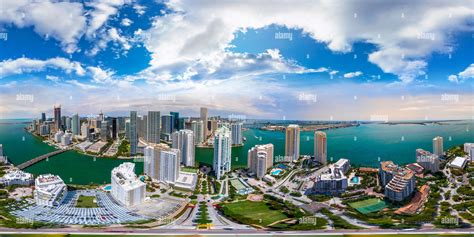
<point x="184" y="141"/>
<point x="66" y="139"/>
<point x="43" y="117"/>
<point x="75" y="124"/>
<point x="3" y="158"/>
<point x="222" y="152"/>
<point x="320" y="147"/>
<point x="85" y="131"/>
<point x="204" y="114"/>
<point x="44" y="130"/>
<point x="153" y="127"/>
<point x="17" y="177"/>
<point x="343" y="164"/>
<point x="162" y="163"/>
<point x="468" y="149"/>
<point x="401" y="186"/>
<point x="58" y="135"/>
<point x="126" y="186"/>
<point x="133" y="136"/>
<point x="292" y="142"/>
<point x="1" y="149"/>
<point x="260" y="159"/>
<point x="398" y="183"/>
<point x="197" y="128"/>
<point x="459" y="162"/>
<point x="50" y="190"/>
<point x="427" y="160"/>
<point x="438" y="146"/>
<point x="236" y="131"/>
<point x="333" y="181"/>
<point x="57" y="117"/>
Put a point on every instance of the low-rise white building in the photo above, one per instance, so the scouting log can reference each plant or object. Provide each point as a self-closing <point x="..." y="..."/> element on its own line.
<point x="186" y="180"/>
<point x="126" y="186"/>
<point x="66" y="139"/>
<point x="459" y="162"/>
<point x="58" y="136"/>
<point x="343" y="164"/>
<point x="333" y="181"/>
<point x="50" y="190"/>
<point x="17" y="177"/>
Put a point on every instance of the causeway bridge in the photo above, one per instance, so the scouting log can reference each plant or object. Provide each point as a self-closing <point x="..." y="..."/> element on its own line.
<point x="40" y="158"/>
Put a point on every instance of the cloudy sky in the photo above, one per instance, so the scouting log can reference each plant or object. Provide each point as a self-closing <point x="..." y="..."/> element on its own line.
<point x="339" y="60"/>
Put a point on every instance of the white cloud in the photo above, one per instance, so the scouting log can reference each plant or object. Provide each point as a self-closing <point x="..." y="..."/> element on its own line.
<point x="352" y="74"/>
<point x="100" y="75"/>
<point x="81" y="85"/>
<point x="63" y="21"/>
<point x="139" y="9"/>
<point x="468" y="73"/>
<point x="103" y="9"/>
<point x="200" y="31"/>
<point x="27" y="65"/>
<point x="53" y="78"/>
<point x="126" y="22"/>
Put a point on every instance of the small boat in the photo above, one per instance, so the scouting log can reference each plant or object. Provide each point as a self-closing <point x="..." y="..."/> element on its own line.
<point x="23" y="138"/>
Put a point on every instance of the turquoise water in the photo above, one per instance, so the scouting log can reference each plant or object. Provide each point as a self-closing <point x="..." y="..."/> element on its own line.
<point x="108" y="188"/>
<point x="355" y="180"/>
<point x="276" y="172"/>
<point x="363" y="146"/>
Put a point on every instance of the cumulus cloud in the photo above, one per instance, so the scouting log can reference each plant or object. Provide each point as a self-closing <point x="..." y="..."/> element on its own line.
<point x="27" y="65"/>
<point x="126" y="22"/>
<point x="404" y="36"/>
<point x="69" y="22"/>
<point x="103" y="9"/>
<point x="352" y="74"/>
<point x="468" y="73"/>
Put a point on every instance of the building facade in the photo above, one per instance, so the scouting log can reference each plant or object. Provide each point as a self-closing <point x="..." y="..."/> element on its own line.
<point x="183" y="140"/>
<point x="438" y="146"/>
<point x="260" y="159"/>
<point x="320" y="147"/>
<point x="153" y="127"/>
<point x="50" y="190"/>
<point x="222" y="152"/>
<point x="292" y="142"/>
<point x="126" y="186"/>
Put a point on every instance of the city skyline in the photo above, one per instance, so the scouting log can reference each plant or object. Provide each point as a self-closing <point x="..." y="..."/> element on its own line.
<point x="414" y="64"/>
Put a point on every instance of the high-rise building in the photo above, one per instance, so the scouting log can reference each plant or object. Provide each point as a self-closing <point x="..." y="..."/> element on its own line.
<point x="292" y="142"/>
<point x="214" y="125"/>
<point x="183" y="140"/>
<point x="50" y="190"/>
<point x="126" y="186"/>
<point x="398" y="183"/>
<point x="204" y="121"/>
<point x="133" y="133"/>
<point x="114" y="130"/>
<point x="428" y="161"/>
<point x="166" y="126"/>
<point x="175" y="120"/>
<point x="162" y="163"/>
<point x="142" y="122"/>
<point x="197" y="127"/>
<point x="260" y="159"/>
<point x="127" y="129"/>
<point x="153" y="127"/>
<point x="68" y="123"/>
<point x="104" y="131"/>
<point x="222" y="152"/>
<point x="320" y="147"/>
<point x="85" y="131"/>
<point x="438" y="146"/>
<point x="236" y="130"/>
<point x="63" y="123"/>
<point x="333" y="181"/>
<point x="76" y="127"/>
<point x="43" y="117"/>
<point x="57" y="118"/>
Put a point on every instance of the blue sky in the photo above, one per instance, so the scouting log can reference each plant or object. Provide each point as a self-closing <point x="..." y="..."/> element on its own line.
<point x="325" y="60"/>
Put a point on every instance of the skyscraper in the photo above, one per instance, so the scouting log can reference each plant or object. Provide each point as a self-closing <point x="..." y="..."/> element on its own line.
<point x="184" y="141"/>
<point x="104" y="131"/>
<point x="162" y="163"/>
<point x="236" y="129"/>
<point x="320" y="147"/>
<point x="133" y="133"/>
<point x="76" y="127"/>
<point x="204" y="121"/>
<point x="197" y="127"/>
<point x="114" y="128"/>
<point x="57" y="117"/>
<point x="292" y="142"/>
<point x="68" y="123"/>
<point x="43" y="117"/>
<point x="142" y="126"/>
<point x="85" y="132"/>
<point x="175" y="120"/>
<point x="260" y="159"/>
<point x="166" y="124"/>
<point x="438" y="146"/>
<point x="153" y="127"/>
<point x="222" y="152"/>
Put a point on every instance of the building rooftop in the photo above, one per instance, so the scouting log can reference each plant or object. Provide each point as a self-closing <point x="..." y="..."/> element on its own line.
<point x="459" y="162"/>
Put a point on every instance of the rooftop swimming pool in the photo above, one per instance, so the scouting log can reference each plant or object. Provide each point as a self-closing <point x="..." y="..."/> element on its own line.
<point x="276" y="172"/>
<point x="107" y="188"/>
<point x="355" y="180"/>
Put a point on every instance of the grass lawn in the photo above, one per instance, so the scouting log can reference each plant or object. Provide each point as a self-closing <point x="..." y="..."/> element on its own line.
<point x="471" y="209"/>
<point x="86" y="202"/>
<point x="369" y="205"/>
<point x="248" y="212"/>
<point x="190" y="169"/>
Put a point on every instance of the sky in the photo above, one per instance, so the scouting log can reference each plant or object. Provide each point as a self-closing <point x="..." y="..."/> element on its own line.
<point x="304" y="60"/>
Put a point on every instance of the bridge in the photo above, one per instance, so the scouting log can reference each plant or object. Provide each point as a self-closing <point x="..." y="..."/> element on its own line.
<point x="40" y="158"/>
